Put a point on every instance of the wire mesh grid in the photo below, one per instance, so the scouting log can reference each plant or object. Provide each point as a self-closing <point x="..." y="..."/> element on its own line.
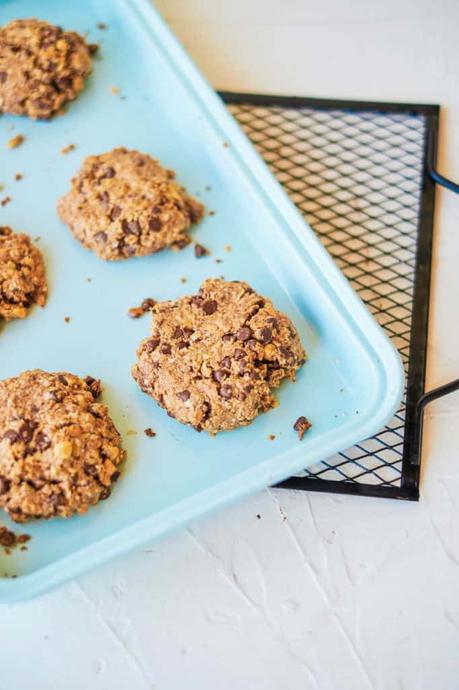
<point x="356" y="177"/>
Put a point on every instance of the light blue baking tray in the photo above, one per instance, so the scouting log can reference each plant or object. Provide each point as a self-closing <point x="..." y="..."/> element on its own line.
<point x="349" y="388"/>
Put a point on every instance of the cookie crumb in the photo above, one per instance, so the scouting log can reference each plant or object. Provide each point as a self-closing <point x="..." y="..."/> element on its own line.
<point x="131" y="432"/>
<point x="208" y="188"/>
<point x="37" y="238"/>
<point x="271" y="437"/>
<point x="1" y="188"/>
<point x="89" y="280"/>
<point x="211" y="213"/>
<point x="183" y="279"/>
<point x="149" y="432"/>
<point x="68" y="148"/>
<point x="301" y="426"/>
<point x="9" y="539"/>
<point x="258" y="516"/>
<point x="115" y="90"/>
<point x="135" y="312"/>
<point x="225" y="145"/>
<point x="102" y="26"/>
<point x="16" y="141"/>
<point x="67" y="319"/>
<point x="218" y="261"/>
<point x="200" y="250"/>
<point x="18" y="177"/>
<point x="228" y="248"/>
<point x="6" y="200"/>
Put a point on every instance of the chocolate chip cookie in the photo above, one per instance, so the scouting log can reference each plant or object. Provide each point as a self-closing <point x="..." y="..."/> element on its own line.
<point x="213" y="359"/>
<point x="124" y="203"/>
<point x="42" y="67"/>
<point x="22" y="275"/>
<point x="59" y="450"/>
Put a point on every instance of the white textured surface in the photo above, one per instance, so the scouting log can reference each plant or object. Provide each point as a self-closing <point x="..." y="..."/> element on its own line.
<point x="321" y="592"/>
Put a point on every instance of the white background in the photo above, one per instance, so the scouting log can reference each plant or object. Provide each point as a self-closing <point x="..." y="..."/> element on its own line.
<point x="322" y="592"/>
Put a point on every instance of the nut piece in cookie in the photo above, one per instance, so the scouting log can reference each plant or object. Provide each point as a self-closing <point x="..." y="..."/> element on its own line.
<point x="124" y="203"/>
<point x="42" y="67"/>
<point x="213" y="359"/>
<point x="59" y="450"/>
<point x="22" y="275"/>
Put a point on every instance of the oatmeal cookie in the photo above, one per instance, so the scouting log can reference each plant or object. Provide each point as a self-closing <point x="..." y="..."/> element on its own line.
<point x="42" y="67"/>
<point x="124" y="203"/>
<point x="213" y="359"/>
<point x="22" y="275"/>
<point x="59" y="450"/>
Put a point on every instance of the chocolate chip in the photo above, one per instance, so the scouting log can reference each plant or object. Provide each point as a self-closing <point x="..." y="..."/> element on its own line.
<point x="63" y="83"/>
<point x="252" y="344"/>
<point x="228" y="338"/>
<point x="166" y="349"/>
<point x="244" y="333"/>
<point x="130" y="227"/>
<point x="7" y="538"/>
<point x="25" y="432"/>
<point x="100" y="236"/>
<point x="93" y="385"/>
<point x="218" y="375"/>
<point x="155" y="224"/>
<point x="188" y="331"/>
<point x="239" y="354"/>
<point x="210" y="307"/>
<point x="254" y="375"/>
<point x="109" y="172"/>
<point x="200" y="250"/>
<point x="226" y="391"/>
<point x="3" y="76"/>
<point x="266" y="335"/>
<point x="226" y="362"/>
<point x="286" y="352"/>
<point x="178" y="332"/>
<point x="55" y="396"/>
<point x="152" y="344"/>
<point x="301" y="425"/>
<point x="90" y="470"/>
<point x="42" y="441"/>
<point x="11" y="435"/>
<point x="115" y="476"/>
<point x="149" y="432"/>
<point x="182" y="344"/>
<point x="273" y="321"/>
<point x="63" y="380"/>
<point x="105" y="493"/>
<point x="115" y="212"/>
<point x="4" y="485"/>
<point x="183" y="395"/>
<point x="148" y="303"/>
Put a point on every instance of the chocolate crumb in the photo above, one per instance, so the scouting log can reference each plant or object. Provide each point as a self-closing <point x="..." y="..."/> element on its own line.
<point x="258" y="516"/>
<point x="301" y="426"/>
<point x="183" y="279"/>
<point x="67" y="319"/>
<point x="271" y="437"/>
<point x="211" y="213"/>
<point x="68" y="148"/>
<point x="149" y="432"/>
<point x="147" y="304"/>
<point x="218" y="261"/>
<point x="18" y="177"/>
<point x="89" y="280"/>
<point x="6" y="200"/>
<point x="16" y="141"/>
<point x="200" y="250"/>
<point x="102" y="26"/>
<point x="9" y="540"/>
<point x="207" y="187"/>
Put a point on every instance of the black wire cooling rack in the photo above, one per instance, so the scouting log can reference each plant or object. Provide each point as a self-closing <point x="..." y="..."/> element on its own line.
<point x="363" y="175"/>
